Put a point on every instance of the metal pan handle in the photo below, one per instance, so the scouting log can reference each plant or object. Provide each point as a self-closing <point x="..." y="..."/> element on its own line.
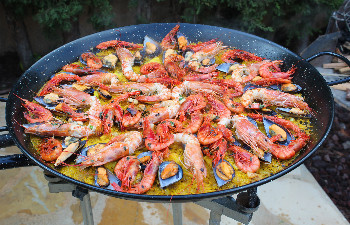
<point x="11" y="161"/>
<point x="331" y="83"/>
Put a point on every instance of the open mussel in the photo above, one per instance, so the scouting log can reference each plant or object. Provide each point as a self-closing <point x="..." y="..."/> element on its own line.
<point x="151" y="48"/>
<point x="89" y="150"/>
<point x="108" y="61"/>
<point x="288" y="88"/>
<point x="294" y="112"/>
<point x="169" y="173"/>
<point x="70" y="145"/>
<point x="181" y="40"/>
<point x="49" y="101"/>
<point x="223" y="172"/>
<point x="105" y="178"/>
<point x="250" y="86"/>
<point x="144" y="158"/>
<point x="226" y="67"/>
<point x="273" y="129"/>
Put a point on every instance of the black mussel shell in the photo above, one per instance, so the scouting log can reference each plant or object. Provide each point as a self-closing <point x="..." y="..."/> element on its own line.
<point x="90" y="91"/>
<point x="139" y="61"/>
<point x="220" y="181"/>
<point x="104" y="94"/>
<point x="166" y="182"/>
<point x="252" y="121"/>
<point x="224" y="67"/>
<point x="154" y="54"/>
<point x="288" y="112"/>
<point x="211" y="62"/>
<point x="143" y="154"/>
<point x="267" y="123"/>
<point x="266" y="111"/>
<point x="83" y="154"/>
<point x="82" y="61"/>
<point x="111" y="178"/>
<point x="250" y="86"/>
<point x="49" y="106"/>
<point x="278" y="87"/>
<point x="187" y="53"/>
<point x="70" y="141"/>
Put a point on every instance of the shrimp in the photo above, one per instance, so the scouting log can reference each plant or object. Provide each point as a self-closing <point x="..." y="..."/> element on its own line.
<point x="197" y="47"/>
<point x="73" y="97"/>
<point x="195" y="86"/>
<point x="35" y="112"/>
<point x="120" y="146"/>
<point x="216" y="151"/>
<point x="127" y="60"/>
<point x="245" y="161"/>
<point x="118" y="44"/>
<point x="164" y="110"/>
<point x="234" y="55"/>
<point x="218" y="109"/>
<point x="155" y="141"/>
<point x="169" y="41"/>
<point x="206" y="52"/>
<point x="92" y="60"/>
<point x="153" y="73"/>
<point x="126" y="170"/>
<point x="148" y="178"/>
<point x="270" y="97"/>
<point x="192" y="76"/>
<point x="271" y="81"/>
<point x="207" y="134"/>
<point x="99" y="79"/>
<point x="77" y="69"/>
<point x="193" y="156"/>
<point x="151" y="92"/>
<point x="272" y="70"/>
<point x="242" y="73"/>
<point x="56" y="80"/>
<point x="172" y="66"/>
<point x="131" y="116"/>
<point x="50" y="149"/>
<point x="191" y="107"/>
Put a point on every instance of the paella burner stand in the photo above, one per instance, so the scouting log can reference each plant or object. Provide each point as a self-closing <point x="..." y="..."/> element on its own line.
<point x="240" y="209"/>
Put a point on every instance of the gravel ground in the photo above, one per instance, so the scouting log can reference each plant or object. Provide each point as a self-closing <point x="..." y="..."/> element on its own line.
<point x="330" y="164"/>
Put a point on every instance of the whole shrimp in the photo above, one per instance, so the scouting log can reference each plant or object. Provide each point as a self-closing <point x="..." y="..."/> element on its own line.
<point x="77" y="69"/>
<point x="50" y="149"/>
<point x="193" y="156"/>
<point x="164" y="110"/>
<point x="235" y="55"/>
<point x="148" y="178"/>
<point x="150" y="92"/>
<point x="194" y="87"/>
<point x="126" y="170"/>
<point x="272" y="70"/>
<point x="274" y="98"/>
<point x="118" y="44"/>
<point x="244" y="160"/>
<point x="92" y="60"/>
<point x="120" y="146"/>
<point x="56" y="80"/>
<point x="35" y="112"/>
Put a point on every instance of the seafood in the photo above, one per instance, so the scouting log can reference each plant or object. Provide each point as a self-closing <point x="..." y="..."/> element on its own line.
<point x="120" y="146"/>
<point x="91" y="60"/>
<point x="36" y="113"/>
<point x="270" y="97"/>
<point x="50" y="149"/>
<point x="56" y="80"/>
<point x="150" y="92"/>
<point x="272" y="70"/>
<point x="148" y="178"/>
<point x="118" y="44"/>
<point x="245" y="161"/>
<point x="126" y="170"/>
<point x="178" y="98"/>
<point x="234" y="55"/>
<point x="193" y="157"/>
<point x="169" y="41"/>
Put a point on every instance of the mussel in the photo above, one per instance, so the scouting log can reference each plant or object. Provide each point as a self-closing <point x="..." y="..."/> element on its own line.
<point x="144" y="158"/>
<point x="272" y="129"/>
<point x="50" y="105"/>
<point x="181" y="40"/>
<point x="171" y="172"/>
<point x="104" y="94"/>
<point x="105" y="178"/>
<point x="294" y="112"/>
<point x="151" y="48"/>
<point x="89" y="150"/>
<point x="223" y="172"/>
<point x="70" y="146"/>
<point x="288" y="88"/>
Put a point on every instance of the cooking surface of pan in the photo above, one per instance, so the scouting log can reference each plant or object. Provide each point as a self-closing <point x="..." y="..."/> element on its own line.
<point x="315" y="90"/>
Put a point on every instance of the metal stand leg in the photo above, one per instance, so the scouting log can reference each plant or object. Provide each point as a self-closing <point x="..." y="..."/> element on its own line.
<point x="177" y="213"/>
<point x="86" y="210"/>
<point x="215" y="218"/>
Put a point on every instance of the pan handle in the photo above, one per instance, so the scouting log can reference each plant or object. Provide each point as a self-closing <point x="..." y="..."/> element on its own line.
<point x="11" y="161"/>
<point x="331" y="83"/>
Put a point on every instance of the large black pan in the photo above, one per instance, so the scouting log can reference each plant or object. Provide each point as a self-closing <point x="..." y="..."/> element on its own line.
<point x="316" y="91"/>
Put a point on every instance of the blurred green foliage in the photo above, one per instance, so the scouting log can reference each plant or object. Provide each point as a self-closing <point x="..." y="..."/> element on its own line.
<point x="55" y="15"/>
